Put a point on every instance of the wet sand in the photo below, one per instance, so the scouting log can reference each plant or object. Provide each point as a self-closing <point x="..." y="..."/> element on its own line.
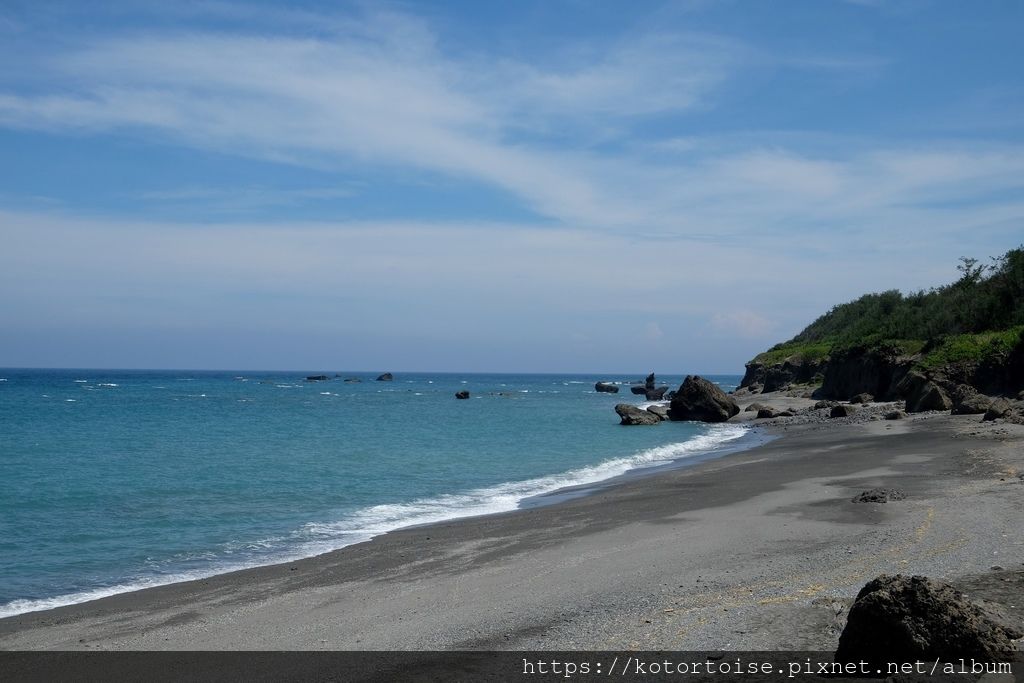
<point x="761" y="549"/>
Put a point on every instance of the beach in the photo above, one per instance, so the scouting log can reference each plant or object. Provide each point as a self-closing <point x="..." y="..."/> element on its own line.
<point x="758" y="550"/>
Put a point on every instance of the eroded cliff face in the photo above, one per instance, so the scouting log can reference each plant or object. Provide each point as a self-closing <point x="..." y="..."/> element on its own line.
<point x="761" y="377"/>
<point x="878" y="372"/>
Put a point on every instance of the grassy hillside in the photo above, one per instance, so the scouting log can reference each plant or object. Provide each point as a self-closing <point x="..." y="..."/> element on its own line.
<point x="979" y="315"/>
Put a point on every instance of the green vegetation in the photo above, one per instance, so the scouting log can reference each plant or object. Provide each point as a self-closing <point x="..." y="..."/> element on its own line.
<point x="984" y="298"/>
<point x="973" y="347"/>
<point x="979" y="316"/>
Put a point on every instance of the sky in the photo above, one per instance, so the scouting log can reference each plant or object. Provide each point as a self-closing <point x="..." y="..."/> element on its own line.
<point x="537" y="186"/>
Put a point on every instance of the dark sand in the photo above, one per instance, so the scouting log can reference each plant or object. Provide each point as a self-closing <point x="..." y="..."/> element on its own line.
<point x="761" y="549"/>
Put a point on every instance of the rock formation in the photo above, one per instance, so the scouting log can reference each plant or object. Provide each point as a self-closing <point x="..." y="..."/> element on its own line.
<point x="699" y="399"/>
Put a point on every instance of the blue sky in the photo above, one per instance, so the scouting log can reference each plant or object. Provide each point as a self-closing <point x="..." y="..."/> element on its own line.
<point x="531" y="186"/>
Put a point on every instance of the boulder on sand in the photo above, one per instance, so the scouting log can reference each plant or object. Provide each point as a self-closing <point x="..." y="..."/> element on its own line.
<point x="999" y="408"/>
<point x="967" y="401"/>
<point x="842" y="410"/>
<point x="754" y="407"/>
<point x="862" y="398"/>
<point x="927" y="396"/>
<point x="699" y="399"/>
<point x="908" y="618"/>
<point x="633" y="415"/>
<point x="765" y="412"/>
<point x="606" y="388"/>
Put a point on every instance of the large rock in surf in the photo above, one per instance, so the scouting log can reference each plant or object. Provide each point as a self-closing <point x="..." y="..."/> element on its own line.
<point x="463" y="394"/>
<point x="655" y="394"/>
<point x="632" y="415"/>
<point x="908" y="618"/>
<point x="660" y="410"/>
<point x="638" y="389"/>
<point x="386" y="377"/>
<point x="317" y="378"/>
<point x="606" y="388"/>
<point x="699" y="399"/>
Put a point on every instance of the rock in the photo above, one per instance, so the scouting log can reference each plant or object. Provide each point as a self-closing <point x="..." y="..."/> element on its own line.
<point x="785" y="413"/>
<point x="670" y="395"/>
<point x="879" y="496"/>
<point x="606" y="388"/>
<point x="862" y="398"/>
<point x="463" y="394"/>
<point x="386" y="377"/>
<point x="699" y="399"/>
<point x="766" y="412"/>
<point x="352" y="379"/>
<point x="638" y="389"/>
<point x="895" y="415"/>
<point x="927" y="396"/>
<point x="998" y="408"/>
<point x="842" y="411"/>
<point x="660" y="410"/>
<point x="907" y="618"/>
<point x="655" y="394"/>
<point x="754" y="407"/>
<point x="317" y="378"/>
<point x="825" y="404"/>
<point x="755" y="388"/>
<point x="633" y="415"/>
<point x="967" y="401"/>
<point x="649" y="382"/>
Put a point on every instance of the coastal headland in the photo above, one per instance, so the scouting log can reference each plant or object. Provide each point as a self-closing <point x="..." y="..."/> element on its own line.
<point x="761" y="549"/>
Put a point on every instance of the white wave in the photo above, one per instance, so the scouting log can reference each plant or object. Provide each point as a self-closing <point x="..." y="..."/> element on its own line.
<point x="367" y="523"/>
<point x="70" y="400"/>
<point x="107" y="384"/>
<point x="379" y="519"/>
<point x="81" y="381"/>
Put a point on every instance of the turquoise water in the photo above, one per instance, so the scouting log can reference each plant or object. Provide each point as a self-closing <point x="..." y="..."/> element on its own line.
<point x="116" y="480"/>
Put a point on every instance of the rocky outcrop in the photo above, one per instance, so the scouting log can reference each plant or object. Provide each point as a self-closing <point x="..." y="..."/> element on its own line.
<point x="860" y="370"/>
<point x="907" y="618"/>
<point x="763" y="377"/>
<point x="862" y="398"/>
<point x="317" y="378"/>
<point x="386" y="377"/>
<point x="655" y="394"/>
<point x="927" y="395"/>
<point x="633" y="415"/>
<point x="606" y="388"/>
<point x="660" y="410"/>
<point x="649" y="382"/>
<point x="967" y="401"/>
<point x="999" y="408"/>
<point x="638" y="389"/>
<point x="462" y="394"/>
<point x="699" y="399"/>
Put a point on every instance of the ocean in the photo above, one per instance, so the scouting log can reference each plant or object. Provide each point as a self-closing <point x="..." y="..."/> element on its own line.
<point x="118" y="480"/>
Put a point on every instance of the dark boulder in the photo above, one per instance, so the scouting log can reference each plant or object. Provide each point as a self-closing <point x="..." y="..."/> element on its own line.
<point x="999" y="408"/>
<point x="820" y="405"/>
<point x="908" y="618"/>
<point x="606" y="388"/>
<point x="785" y="413"/>
<point x="463" y="394"/>
<point x="879" y="496"/>
<point x="660" y="410"/>
<point x="895" y="415"/>
<point x="699" y="399"/>
<point x="765" y="412"/>
<point x="352" y="380"/>
<point x="317" y="378"/>
<point x="639" y="389"/>
<point x="967" y="401"/>
<point x="649" y="382"/>
<point x="386" y="377"/>
<point x="632" y="415"/>
<point x="754" y="407"/>
<point x="842" y="410"/>
<point x="927" y="396"/>
<point x="655" y="394"/>
<point x="862" y="398"/>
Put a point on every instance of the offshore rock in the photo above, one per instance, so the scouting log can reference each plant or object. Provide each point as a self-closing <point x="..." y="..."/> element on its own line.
<point x="462" y="394"/>
<point x="660" y="410"/>
<point x="699" y="399"/>
<point x="655" y="394"/>
<point x="632" y="415"/>
<point x="386" y="377"/>
<point x="606" y="388"/>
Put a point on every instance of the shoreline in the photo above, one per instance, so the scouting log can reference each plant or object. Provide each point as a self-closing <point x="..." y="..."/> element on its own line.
<point x="732" y="552"/>
<point x="750" y="438"/>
